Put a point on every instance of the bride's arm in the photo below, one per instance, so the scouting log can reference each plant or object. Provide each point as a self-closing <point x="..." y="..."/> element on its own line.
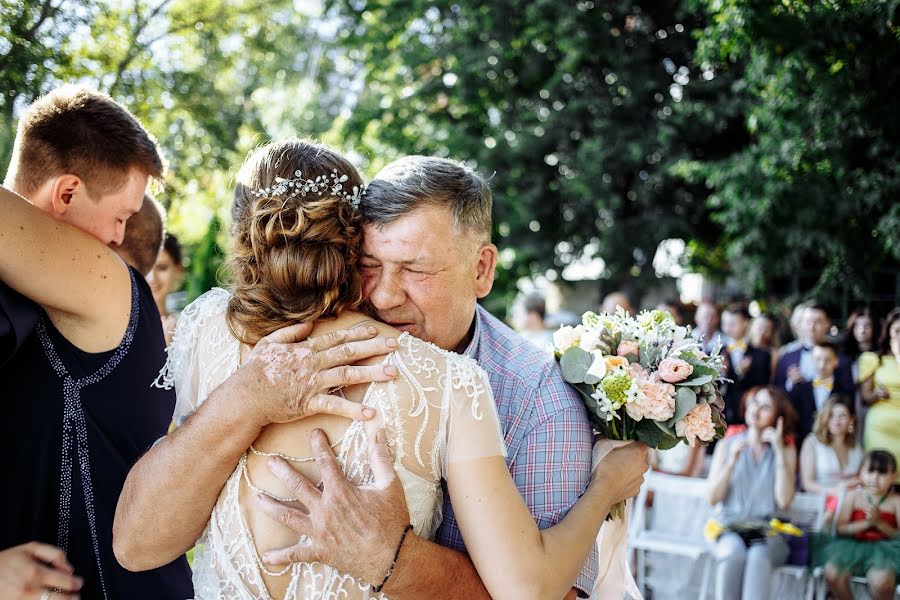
<point x="516" y="559"/>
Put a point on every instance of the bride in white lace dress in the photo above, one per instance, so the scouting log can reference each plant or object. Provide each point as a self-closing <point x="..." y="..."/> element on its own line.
<point x="295" y="248"/>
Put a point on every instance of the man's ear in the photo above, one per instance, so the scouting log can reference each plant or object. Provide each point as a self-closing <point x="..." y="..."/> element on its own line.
<point x="64" y="190"/>
<point x="484" y="269"/>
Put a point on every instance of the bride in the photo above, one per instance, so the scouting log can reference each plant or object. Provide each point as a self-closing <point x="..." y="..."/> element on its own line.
<point x="296" y="243"/>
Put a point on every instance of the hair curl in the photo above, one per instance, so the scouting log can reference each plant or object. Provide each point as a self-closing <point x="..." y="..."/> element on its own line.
<point x="293" y="259"/>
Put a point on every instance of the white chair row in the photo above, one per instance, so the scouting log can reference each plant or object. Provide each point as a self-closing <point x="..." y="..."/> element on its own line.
<point x="674" y="526"/>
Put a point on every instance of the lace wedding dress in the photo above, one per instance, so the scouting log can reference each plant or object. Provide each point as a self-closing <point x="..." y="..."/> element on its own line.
<point x="440" y="409"/>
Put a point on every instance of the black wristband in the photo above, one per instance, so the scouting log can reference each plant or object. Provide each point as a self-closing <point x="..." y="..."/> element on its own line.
<point x="377" y="588"/>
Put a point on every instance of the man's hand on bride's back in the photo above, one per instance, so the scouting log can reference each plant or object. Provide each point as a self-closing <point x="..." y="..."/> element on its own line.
<point x="290" y="376"/>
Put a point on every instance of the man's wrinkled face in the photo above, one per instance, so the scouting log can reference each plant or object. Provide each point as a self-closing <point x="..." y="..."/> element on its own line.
<point x="421" y="275"/>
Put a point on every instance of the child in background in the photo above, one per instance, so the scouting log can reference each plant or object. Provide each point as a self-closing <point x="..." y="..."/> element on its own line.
<point x="867" y="544"/>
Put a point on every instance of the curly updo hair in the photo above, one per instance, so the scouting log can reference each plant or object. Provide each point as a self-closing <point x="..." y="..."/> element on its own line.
<point x="293" y="259"/>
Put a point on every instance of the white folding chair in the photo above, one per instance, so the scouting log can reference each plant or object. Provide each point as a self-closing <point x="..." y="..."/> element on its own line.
<point x="645" y="536"/>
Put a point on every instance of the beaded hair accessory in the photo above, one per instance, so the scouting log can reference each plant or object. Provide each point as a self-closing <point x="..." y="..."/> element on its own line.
<point x="332" y="183"/>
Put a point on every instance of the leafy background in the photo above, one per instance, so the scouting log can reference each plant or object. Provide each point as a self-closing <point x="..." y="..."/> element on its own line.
<point x="764" y="134"/>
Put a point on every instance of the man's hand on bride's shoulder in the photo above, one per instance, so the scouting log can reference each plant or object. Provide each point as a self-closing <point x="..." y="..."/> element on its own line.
<point x="289" y="375"/>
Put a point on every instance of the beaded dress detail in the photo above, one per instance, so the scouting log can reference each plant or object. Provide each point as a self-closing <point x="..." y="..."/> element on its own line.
<point x="439" y="410"/>
<point x="74" y="434"/>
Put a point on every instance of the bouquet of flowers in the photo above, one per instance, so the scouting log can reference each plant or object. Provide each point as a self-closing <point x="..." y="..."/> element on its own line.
<point x="643" y="378"/>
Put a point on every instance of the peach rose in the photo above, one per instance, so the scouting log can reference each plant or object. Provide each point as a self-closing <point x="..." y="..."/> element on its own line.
<point x="626" y="348"/>
<point x="674" y="370"/>
<point x="697" y="425"/>
<point x="656" y="401"/>
<point x="616" y="361"/>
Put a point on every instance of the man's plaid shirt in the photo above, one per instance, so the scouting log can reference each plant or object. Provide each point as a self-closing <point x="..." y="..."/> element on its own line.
<point x="545" y="427"/>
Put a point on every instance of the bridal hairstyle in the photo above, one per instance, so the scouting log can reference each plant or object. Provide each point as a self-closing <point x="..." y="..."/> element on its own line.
<point x="83" y="132"/>
<point x="294" y="259"/>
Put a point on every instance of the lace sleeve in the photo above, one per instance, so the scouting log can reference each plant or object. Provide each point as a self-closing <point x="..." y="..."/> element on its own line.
<point x="200" y="351"/>
<point x="473" y="427"/>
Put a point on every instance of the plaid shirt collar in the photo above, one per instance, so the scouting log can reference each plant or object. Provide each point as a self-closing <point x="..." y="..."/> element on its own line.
<point x="473" y="350"/>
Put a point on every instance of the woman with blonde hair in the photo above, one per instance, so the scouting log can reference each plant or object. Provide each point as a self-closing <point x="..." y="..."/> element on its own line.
<point x="296" y="244"/>
<point x="830" y="456"/>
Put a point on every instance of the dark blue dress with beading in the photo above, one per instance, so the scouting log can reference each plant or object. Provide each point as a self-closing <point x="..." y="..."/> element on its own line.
<point x="73" y="423"/>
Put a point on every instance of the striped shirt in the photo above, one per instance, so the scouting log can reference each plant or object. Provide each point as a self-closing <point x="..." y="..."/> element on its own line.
<point x="545" y="426"/>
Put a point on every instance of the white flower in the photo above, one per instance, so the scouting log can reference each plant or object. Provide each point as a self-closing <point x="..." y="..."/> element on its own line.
<point x="567" y="337"/>
<point x="598" y="367"/>
<point x="590" y="339"/>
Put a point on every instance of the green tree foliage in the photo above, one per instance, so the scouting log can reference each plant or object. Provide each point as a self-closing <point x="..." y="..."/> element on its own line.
<point x="763" y="134"/>
<point x="576" y="111"/>
<point x="816" y="188"/>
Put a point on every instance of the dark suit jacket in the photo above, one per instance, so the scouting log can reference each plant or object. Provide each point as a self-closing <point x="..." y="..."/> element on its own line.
<point x="758" y="373"/>
<point x="804" y="400"/>
<point x="843" y="372"/>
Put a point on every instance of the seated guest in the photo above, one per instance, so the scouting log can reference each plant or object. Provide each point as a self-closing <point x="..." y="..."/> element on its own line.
<point x="143" y="236"/>
<point x="615" y="300"/>
<point x="748" y="366"/>
<point x="706" y="326"/>
<point x="880" y="388"/>
<point x="763" y="334"/>
<point x="830" y="456"/>
<point x="535" y="328"/>
<point x="673" y="307"/>
<point x="752" y="479"/>
<point x="797" y="365"/>
<point x="867" y="544"/>
<point x="797" y="331"/>
<point x="808" y="397"/>
<point x="164" y="278"/>
<point x="861" y="335"/>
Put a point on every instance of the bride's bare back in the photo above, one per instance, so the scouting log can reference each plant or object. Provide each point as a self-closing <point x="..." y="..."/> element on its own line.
<point x="434" y="387"/>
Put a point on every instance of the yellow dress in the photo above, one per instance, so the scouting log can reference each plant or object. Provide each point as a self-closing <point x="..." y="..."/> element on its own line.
<point x="883" y="419"/>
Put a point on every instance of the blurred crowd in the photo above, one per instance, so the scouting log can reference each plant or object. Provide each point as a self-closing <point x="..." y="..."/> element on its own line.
<point x="811" y="407"/>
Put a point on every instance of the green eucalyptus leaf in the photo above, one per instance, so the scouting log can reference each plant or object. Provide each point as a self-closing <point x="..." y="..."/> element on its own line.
<point x="575" y="363"/>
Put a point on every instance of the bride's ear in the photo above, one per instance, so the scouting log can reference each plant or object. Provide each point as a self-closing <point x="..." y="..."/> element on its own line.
<point x="484" y="269"/>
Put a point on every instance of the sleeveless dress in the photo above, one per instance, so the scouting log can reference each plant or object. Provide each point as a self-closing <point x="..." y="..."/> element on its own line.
<point x="439" y="410"/>
<point x="75" y="422"/>
<point x="883" y="418"/>
<point x="869" y="549"/>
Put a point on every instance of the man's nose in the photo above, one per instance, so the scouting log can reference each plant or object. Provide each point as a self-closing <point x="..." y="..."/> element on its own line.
<point x="118" y="235"/>
<point x="386" y="293"/>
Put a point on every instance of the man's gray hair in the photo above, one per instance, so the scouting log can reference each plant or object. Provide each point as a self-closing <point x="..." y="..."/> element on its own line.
<point x="415" y="182"/>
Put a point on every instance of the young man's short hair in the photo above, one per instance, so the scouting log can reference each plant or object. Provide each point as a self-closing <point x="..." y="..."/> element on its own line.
<point x="144" y="233"/>
<point x="738" y="308"/>
<point x="86" y="133"/>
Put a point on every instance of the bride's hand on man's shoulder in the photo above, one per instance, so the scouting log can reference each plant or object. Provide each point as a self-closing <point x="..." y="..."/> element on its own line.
<point x="289" y="375"/>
